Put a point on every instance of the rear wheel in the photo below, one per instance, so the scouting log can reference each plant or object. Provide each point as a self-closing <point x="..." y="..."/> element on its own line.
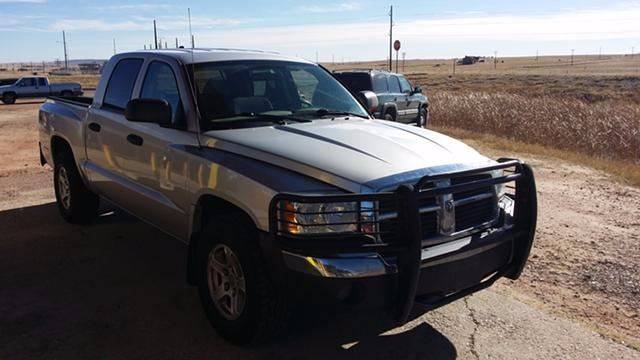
<point x="9" y="98"/>
<point x="76" y="203"/>
<point x="389" y="116"/>
<point x="423" y="117"/>
<point x="240" y="301"/>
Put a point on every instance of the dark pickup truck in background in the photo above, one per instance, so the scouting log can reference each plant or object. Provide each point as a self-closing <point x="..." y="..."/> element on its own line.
<point x="398" y="100"/>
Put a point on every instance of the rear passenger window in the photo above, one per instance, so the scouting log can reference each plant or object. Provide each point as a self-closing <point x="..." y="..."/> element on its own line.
<point x="394" y="85"/>
<point x="42" y="82"/>
<point x="120" y="86"/>
<point x="380" y="83"/>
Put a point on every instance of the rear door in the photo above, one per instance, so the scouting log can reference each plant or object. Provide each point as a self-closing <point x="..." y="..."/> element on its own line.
<point x="381" y="88"/>
<point x="106" y="135"/>
<point x="42" y="87"/>
<point x="399" y="98"/>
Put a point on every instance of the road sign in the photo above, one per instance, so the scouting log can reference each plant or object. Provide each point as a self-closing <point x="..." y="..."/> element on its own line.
<point x="396" y="45"/>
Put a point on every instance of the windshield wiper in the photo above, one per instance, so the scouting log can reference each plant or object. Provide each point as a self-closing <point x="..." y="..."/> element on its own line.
<point x="278" y="119"/>
<point x="327" y="112"/>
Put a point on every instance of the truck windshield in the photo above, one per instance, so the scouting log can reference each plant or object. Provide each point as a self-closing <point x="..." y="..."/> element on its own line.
<point x="237" y="93"/>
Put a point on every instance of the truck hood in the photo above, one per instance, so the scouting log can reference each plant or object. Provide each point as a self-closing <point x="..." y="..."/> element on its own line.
<point x="352" y="154"/>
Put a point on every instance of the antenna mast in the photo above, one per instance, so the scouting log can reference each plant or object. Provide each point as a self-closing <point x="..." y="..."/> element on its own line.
<point x="390" y="38"/>
<point x="190" y="32"/>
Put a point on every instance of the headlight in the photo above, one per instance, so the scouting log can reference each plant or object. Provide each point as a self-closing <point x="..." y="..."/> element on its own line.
<point x="505" y="201"/>
<point x="323" y="218"/>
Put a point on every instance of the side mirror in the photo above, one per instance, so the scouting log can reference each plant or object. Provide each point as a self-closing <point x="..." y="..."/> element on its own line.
<point x="369" y="100"/>
<point x="149" y="111"/>
<point x="417" y="90"/>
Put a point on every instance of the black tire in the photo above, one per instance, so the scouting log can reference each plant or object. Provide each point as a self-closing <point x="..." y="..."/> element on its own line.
<point x="389" y="116"/>
<point x="78" y="205"/>
<point x="9" y="98"/>
<point x="265" y="314"/>
<point x="423" y="117"/>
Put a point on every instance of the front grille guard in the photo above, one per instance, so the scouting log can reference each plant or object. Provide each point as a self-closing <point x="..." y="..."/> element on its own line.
<point x="407" y="198"/>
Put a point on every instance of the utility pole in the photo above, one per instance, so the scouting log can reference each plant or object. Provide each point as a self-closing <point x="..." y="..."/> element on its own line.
<point x="404" y="55"/>
<point x="397" y="60"/>
<point x="572" y="51"/>
<point x="64" y="45"/>
<point x="145" y="46"/>
<point x="177" y="43"/>
<point x="333" y="59"/>
<point x="190" y="32"/>
<point x="390" y="37"/>
<point x="495" y="60"/>
<point x="600" y="54"/>
<point x="537" y="54"/>
<point x="165" y="45"/>
<point x="114" y="46"/>
<point x="454" y="66"/>
<point x="155" y="34"/>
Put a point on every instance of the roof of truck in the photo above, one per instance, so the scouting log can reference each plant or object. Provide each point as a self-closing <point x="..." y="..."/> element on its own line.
<point x="199" y="55"/>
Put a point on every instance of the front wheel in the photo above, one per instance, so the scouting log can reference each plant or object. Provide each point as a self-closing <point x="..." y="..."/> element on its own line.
<point x="240" y="301"/>
<point x="423" y="117"/>
<point x="389" y="117"/>
<point x="77" y="204"/>
<point x="9" y="98"/>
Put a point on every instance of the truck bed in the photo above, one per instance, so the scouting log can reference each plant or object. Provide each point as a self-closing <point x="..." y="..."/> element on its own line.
<point x="84" y="101"/>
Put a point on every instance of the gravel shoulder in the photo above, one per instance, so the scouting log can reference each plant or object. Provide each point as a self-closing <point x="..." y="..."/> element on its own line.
<point x="116" y="288"/>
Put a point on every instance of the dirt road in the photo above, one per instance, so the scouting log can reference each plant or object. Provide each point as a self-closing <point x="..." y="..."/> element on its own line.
<point x="117" y="289"/>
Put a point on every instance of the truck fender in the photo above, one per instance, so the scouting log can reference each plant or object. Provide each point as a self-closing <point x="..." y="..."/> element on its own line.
<point x="388" y="107"/>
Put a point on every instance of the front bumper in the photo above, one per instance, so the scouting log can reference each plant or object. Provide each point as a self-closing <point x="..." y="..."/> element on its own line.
<point x="420" y="271"/>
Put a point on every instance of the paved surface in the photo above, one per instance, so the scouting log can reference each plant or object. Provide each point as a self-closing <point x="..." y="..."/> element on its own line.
<point x="117" y="289"/>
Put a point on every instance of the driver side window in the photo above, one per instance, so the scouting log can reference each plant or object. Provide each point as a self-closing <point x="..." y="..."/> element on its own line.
<point x="405" y="86"/>
<point x="160" y="83"/>
<point x="28" y="82"/>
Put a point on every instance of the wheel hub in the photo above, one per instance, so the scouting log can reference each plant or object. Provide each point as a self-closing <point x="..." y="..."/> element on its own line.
<point x="64" y="189"/>
<point x="225" y="278"/>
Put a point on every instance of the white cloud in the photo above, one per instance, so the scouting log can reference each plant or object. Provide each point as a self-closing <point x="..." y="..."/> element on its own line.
<point x="329" y="8"/>
<point x="135" y="7"/>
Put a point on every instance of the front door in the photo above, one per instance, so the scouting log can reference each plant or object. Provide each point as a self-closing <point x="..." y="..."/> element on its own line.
<point x="411" y="103"/>
<point x="26" y="87"/>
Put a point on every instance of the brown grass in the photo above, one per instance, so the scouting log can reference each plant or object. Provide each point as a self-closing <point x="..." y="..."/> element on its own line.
<point x="607" y="130"/>
<point x="625" y="171"/>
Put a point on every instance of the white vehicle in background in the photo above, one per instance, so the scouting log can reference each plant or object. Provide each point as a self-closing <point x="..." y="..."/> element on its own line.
<point x="37" y="86"/>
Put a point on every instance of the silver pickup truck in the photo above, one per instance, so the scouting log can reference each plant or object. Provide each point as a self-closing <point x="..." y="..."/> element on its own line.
<point x="285" y="188"/>
<point x="37" y="86"/>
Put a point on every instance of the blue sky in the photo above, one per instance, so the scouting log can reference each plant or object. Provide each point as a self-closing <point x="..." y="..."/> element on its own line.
<point x="31" y="30"/>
